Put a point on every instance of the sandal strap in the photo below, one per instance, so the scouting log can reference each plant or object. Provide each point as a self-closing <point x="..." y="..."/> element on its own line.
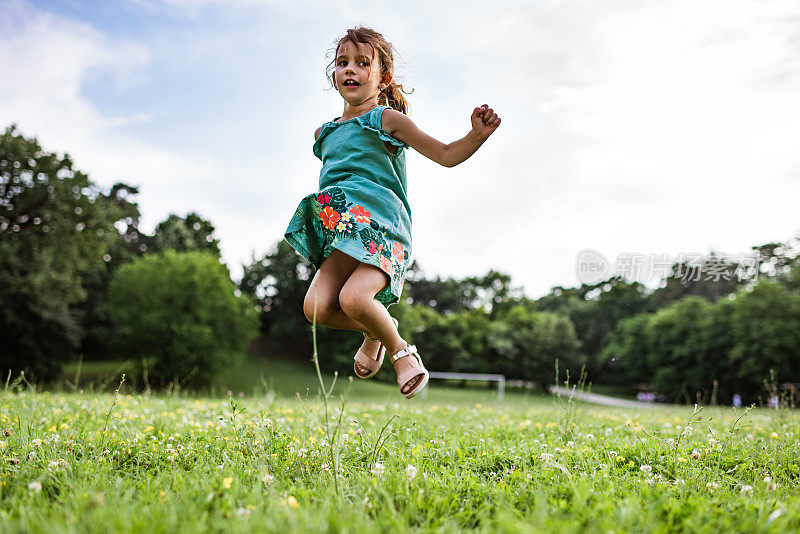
<point x="370" y="363"/>
<point x="369" y="337"/>
<point x="408" y="374"/>
<point x="411" y="349"/>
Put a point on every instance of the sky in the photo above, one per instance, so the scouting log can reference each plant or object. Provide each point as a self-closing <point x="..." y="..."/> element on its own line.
<point x="657" y="127"/>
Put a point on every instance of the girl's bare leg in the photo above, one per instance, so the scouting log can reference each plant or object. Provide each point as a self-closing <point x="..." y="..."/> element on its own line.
<point x="357" y="300"/>
<point x="327" y="283"/>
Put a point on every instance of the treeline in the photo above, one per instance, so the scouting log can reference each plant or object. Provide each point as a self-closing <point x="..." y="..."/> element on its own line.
<point x="80" y="278"/>
<point x="77" y="276"/>
<point x="681" y="339"/>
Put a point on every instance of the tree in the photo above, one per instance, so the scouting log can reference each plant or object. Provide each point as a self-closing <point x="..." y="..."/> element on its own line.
<point x="182" y="312"/>
<point x="185" y="234"/>
<point x="54" y="231"/>
<point x="765" y="328"/>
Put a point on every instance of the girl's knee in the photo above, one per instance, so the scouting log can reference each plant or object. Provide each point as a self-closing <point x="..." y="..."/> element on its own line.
<point x="353" y="303"/>
<point x="324" y="310"/>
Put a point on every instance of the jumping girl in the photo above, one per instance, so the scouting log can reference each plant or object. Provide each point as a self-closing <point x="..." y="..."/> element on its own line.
<point x="356" y="230"/>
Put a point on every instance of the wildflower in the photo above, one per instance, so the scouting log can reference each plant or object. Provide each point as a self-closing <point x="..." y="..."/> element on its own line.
<point x="378" y="469"/>
<point x="680" y="482"/>
<point x="230" y="392"/>
<point x="291" y="501"/>
<point x="682" y="460"/>
<point x="31" y="455"/>
<point x="546" y="456"/>
<point x="267" y="479"/>
<point x="774" y="435"/>
<point x="711" y="486"/>
<point x="302" y="452"/>
<point x="589" y="436"/>
<point x="411" y="472"/>
<point x="770" y="484"/>
<point x="366" y="502"/>
<point x="34" y="487"/>
<point x="747" y="490"/>
<point x="695" y="454"/>
<point x="36" y="442"/>
<point x="57" y="465"/>
<point x="646" y="469"/>
<point x="226" y="482"/>
<point x="570" y="443"/>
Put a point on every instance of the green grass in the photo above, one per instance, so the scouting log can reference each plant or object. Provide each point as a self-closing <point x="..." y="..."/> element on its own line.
<point x="89" y="462"/>
<point x="282" y="378"/>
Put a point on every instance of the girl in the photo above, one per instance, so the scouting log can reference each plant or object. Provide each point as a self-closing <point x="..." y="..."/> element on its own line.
<point x="356" y="230"/>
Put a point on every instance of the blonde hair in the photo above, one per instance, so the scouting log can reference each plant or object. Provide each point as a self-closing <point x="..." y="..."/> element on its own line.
<point x="391" y="95"/>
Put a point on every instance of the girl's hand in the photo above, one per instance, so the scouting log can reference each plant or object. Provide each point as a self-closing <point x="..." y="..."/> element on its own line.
<point x="484" y="121"/>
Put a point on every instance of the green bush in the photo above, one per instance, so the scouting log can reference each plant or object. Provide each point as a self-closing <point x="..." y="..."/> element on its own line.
<point x="180" y="311"/>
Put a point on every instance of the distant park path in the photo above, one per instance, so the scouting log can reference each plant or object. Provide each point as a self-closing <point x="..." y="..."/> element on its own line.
<point x="594" y="398"/>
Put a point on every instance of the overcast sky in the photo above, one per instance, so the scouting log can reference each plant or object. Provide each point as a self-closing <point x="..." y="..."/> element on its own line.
<point x="633" y="126"/>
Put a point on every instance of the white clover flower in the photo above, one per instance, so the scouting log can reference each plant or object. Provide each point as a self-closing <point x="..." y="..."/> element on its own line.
<point x="590" y="436"/>
<point x="646" y="469"/>
<point x="680" y="482"/>
<point x="695" y="454"/>
<point x="267" y="479"/>
<point x="34" y="487"/>
<point x="747" y="490"/>
<point x="302" y="452"/>
<point x="570" y="443"/>
<point x="411" y="472"/>
<point x="378" y="469"/>
<point x="546" y="456"/>
<point x="36" y="442"/>
<point x="711" y="486"/>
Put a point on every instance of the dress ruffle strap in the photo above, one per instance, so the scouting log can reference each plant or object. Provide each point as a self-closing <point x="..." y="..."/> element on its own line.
<point x="372" y="121"/>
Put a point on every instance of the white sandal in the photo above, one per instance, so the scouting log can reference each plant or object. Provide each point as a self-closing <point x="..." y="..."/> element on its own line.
<point x="367" y="361"/>
<point x="404" y="377"/>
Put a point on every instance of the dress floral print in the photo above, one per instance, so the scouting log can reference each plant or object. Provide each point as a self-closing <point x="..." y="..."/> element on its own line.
<point x="344" y="220"/>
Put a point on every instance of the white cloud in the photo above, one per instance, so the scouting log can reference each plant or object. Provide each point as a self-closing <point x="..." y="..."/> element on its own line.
<point x="660" y="127"/>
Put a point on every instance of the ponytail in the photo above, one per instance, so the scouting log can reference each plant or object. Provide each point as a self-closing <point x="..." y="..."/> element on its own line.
<point x="392" y="96"/>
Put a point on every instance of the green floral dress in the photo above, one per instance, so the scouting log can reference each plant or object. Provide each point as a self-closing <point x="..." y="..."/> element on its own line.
<point x="361" y="207"/>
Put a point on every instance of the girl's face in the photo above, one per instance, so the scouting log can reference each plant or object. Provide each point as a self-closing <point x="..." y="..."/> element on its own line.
<point x="357" y="76"/>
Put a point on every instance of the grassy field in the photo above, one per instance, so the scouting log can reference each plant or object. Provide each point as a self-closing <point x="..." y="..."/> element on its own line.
<point x="262" y="460"/>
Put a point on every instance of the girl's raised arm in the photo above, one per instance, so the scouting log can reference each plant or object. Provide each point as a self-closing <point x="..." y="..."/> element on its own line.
<point x="399" y="126"/>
